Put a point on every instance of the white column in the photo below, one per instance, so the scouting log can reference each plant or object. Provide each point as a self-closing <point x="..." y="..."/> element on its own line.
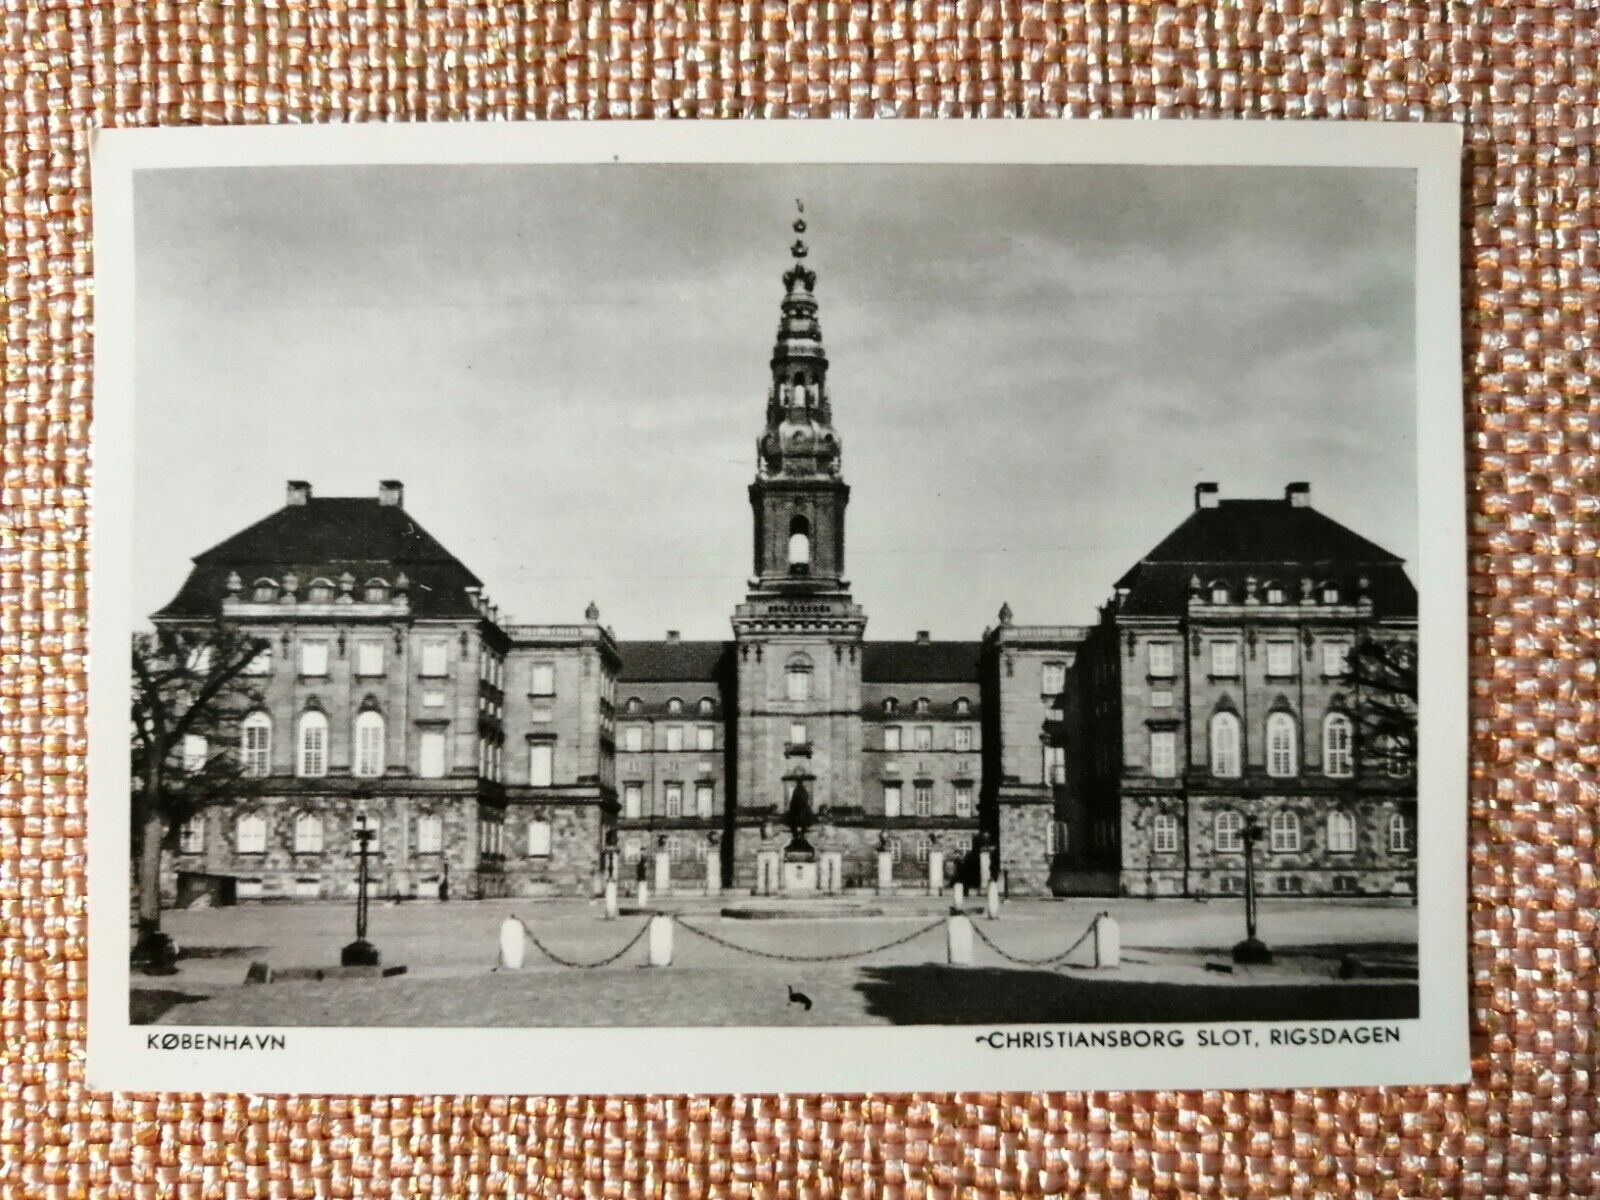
<point x="660" y="941"/>
<point x="663" y="873"/>
<point x="992" y="908"/>
<point x="513" y="943"/>
<point x="643" y="895"/>
<point x="984" y="865"/>
<point x="958" y="939"/>
<point x="885" y="871"/>
<point x="958" y="893"/>
<point x="1107" y="941"/>
<point x="935" y="872"/>
<point x="611" y="899"/>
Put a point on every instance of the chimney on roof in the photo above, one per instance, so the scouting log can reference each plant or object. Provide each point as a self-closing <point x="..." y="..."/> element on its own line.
<point x="923" y="636"/>
<point x="672" y="635"/>
<point x="299" y="492"/>
<point x="391" y="493"/>
<point x="1205" y="495"/>
<point x="1298" y="495"/>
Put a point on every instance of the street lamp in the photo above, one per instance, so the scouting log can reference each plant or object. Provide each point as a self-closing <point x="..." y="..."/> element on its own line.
<point x="361" y="953"/>
<point x="1252" y="949"/>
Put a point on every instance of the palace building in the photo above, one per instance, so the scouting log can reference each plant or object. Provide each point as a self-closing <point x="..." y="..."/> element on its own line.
<point x="799" y="757"/>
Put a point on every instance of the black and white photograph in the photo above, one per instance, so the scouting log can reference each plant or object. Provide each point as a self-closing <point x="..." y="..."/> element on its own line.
<point x="803" y="596"/>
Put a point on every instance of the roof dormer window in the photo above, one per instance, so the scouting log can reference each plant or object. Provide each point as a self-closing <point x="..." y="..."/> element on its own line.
<point x="320" y="591"/>
<point x="1328" y="592"/>
<point x="375" y="591"/>
<point x="264" y="591"/>
<point x="1219" y="592"/>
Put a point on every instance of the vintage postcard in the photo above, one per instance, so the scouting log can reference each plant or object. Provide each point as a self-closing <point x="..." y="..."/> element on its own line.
<point x="778" y="606"/>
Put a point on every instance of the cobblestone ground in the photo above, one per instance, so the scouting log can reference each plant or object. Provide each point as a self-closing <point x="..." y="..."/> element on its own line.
<point x="450" y="953"/>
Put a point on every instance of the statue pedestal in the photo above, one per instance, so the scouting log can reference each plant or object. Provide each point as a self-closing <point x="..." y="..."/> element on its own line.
<point x="799" y="876"/>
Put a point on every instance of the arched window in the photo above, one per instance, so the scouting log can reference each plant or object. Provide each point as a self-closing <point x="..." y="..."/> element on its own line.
<point x="308" y="834"/>
<point x="797" y="679"/>
<point x="1275" y="593"/>
<point x="1328" y="592"/>
<point x="634" y="704"/>
<point x="250" y="833"/>
<point x="963" y="706"/>
<point x="1228" y="832"/>
<point x="1225" y="745"/>
<point x="375" y="591"/>
<point x="890" y="705"/>
<point x="265" y="590"/>
<point x="1165" y="834"/>
<point x="799" y="545"/>
<point x="800" y="393"/>
<point x="255" y="745"/>
<point x="1400" y="840"/>
<point x="674" y="706"/>
<point x="1282" y="757"/>
<point x="1337" y="736"/>
<point x="707" y="706"/>
<point x="313" y="759"/>
<point x="1341" y="832"/>
<point x="1219" y="591"/>
<point x="320" y="591"/>
<point x="1285" y="832"/>
<point x="369" y="744"/>
<point x="922" y="704"/>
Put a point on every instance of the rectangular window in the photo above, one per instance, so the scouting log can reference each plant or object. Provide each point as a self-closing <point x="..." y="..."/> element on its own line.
<point x="435" y="658"/>
<point x="674" y="737"/>
<point x="1224" y="659"/>
<point x="924" y="737"/>
<point x="894" y="849"/>
<point x="1166" y="833"/>
<point x="633" y="738"/>
<point x="924" y="798"/>
<point x="674" y="799"/>
<point x="543" y="680"/>
<point x="1052" y="678"/>
<point x="891" y="739"/>
<point x="963" y="737"/>
<point x="798" y="684"/>
<point x="1055" y="764"/>
<point x="369" y="658"/>
<point x="891" y="799"/>
<point x="963" y="799"/>
<point x="250" y="834"/>
<point x="431" y="699"/>
<point x="369" y="745"/>
<point x="261" y="664"/>
<point x="430" y="833"/>
<point x="192" y="835"/>
<point x="538" y="839"/>
<point x="1280" y="659"/>
<point x="797" y="734"/>
<point x="196" y="751"/>
<point x="1161" y="698"/>
<point x="1163" y="753"/>
<point x="632" y="800"/>
<point x="430" y="754"/>
<point x="541" y="763"/>
<point x="1335" y="658"/>
<point x="1161" y="660"/>
<point x="314" y="658"/>
<point x="704" y="799"/>
<point x="705" y="737"/>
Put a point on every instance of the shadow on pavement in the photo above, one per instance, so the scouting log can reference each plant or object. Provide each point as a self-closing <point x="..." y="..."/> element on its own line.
<point x="199" y="952"/>
<point x="938" y="995"/>
<point x="146" y="1006"/>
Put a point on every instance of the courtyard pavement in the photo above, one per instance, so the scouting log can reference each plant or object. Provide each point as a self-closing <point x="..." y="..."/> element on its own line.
<point x="450" y="952"/>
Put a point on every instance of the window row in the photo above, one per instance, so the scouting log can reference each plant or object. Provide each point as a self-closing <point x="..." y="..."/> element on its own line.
<point x="308" y="831"/>
<point x="321" y="590"/>
<point x="963" y="798"/>
<point x="311" y="747"/>
<point x="671" y="737"/>
<point x="369" y="654"/>
<point x="1283" y="831"/>
<point x="894" y="740"/>
<point x="1224" y="658"/>
<point x="1283" y="747"/>
<point x="705" y="706"/>
<point x="673" y="796"/>
<point x="1220" y="591"/>
<point x="922" y="705"/>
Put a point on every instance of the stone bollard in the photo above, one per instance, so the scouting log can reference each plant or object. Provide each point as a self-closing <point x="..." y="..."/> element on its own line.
<point x="513" y="943"/>
<point x="992" y="906"/>
<point x="661" y="941"/>
<point x="885" y="872"/>
<point x="958" y="939"/>
<point x="958" y="894"/>
<point x="1107" y="941"/>
<point x="643" y="894"/>
<point x="611" y="899"/>
<point x="713" y="876"/>
<point x="983" y="869"/>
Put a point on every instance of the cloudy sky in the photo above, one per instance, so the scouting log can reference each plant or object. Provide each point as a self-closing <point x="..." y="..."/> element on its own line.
<point x="1031" y="367"/>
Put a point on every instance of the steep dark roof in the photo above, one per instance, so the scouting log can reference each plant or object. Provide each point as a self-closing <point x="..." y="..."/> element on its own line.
<point x="671" y="660"/>
<point x="920" y="662"/>
<point x="324" y="537"/>
<point x="1270" y="540"/>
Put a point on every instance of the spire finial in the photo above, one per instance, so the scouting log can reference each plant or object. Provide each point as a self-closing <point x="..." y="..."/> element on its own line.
<point x="799" y="247"/>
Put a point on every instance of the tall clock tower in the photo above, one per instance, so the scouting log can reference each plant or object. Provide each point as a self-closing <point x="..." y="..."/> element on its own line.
<point x="799" y="632"/>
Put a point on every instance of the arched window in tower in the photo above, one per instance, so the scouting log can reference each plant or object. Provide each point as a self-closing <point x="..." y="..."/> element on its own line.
<point x="799" y="546"/>
<point x="800" y="397"/>
<point x="797" y="678"/>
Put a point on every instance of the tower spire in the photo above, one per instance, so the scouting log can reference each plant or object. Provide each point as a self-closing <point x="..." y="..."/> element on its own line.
<point x="799" y="438"/>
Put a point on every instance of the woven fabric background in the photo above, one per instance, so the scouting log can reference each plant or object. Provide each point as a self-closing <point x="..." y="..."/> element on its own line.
<point x="1521" y="78"/>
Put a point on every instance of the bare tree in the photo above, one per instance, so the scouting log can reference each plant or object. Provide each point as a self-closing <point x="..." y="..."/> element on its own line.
<point x="1383" y="671"/>
<point x="188" y="700"/>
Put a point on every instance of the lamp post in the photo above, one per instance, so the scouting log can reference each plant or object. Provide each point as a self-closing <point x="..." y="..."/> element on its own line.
<point x="361" y="953"/>
<point x="1252" y="949"/>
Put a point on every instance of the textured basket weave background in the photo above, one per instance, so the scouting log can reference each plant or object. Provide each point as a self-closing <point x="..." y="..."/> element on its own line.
<point x="1522" y="79"/>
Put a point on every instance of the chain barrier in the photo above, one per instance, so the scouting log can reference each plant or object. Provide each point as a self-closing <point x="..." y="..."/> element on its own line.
<point x="585" y="966"/>
<point x="810" y="958"/>
<point x="1035" y="962"/>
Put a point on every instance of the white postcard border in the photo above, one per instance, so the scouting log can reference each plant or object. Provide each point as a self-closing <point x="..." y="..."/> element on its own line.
<point x="1433" y="1048"/>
